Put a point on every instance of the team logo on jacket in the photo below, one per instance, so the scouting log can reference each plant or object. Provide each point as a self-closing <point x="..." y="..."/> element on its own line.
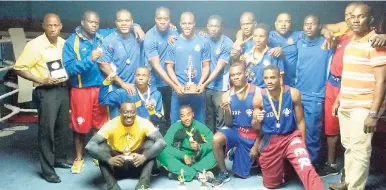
<point x="218" y="51"/>
<point x="286" y="112"/>
<point x="266" y="62"/>
<point x="290" y="41"/>
<point x="197" y="47"/>
<point x="249" y="112"/>
<point x="80" y="120"/>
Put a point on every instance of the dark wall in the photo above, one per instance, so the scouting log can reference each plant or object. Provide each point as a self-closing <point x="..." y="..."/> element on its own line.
<point x="30" y="14"/>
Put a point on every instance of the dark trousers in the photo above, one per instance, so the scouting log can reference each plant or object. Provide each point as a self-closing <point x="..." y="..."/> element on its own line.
<point x="54" y="123"/>
<point x="110" y="174"/>
<point x="166" y="93"/>
<point x="214" y="113"/>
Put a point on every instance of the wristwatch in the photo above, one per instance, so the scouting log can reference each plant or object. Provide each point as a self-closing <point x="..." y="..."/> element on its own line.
<point x="373" y="114"/>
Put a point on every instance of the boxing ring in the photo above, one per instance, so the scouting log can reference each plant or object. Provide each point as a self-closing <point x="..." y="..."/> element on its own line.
<point x="8" y="65"/>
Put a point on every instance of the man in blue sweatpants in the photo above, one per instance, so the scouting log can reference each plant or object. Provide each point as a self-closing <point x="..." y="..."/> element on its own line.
<point x="189" y="52"/>
<point x="311" y="76"/>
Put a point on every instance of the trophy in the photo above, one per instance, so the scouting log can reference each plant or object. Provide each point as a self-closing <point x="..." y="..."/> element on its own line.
<point x="57" y="70"/>
<point x="190" y="87"/>
<point x="205" y="176"/>
<point x="127" y="151"/>
<point x="181" y="178"/>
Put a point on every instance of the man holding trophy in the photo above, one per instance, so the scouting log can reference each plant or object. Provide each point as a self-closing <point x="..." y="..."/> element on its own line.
<point x="121" y="147"/>
<point x="188" y="63"/>
<point x="41" y="63"/>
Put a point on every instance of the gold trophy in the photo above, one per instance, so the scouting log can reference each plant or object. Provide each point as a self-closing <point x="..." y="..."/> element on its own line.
<point x="190" y="87"/>
<point x="127" y="151"/>
<point x="181" y="178"/>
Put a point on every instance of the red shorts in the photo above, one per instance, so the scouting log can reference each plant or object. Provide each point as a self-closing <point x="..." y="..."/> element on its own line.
<point x="331" y="123"/>
<point x="278" y="148"/>
<point x="86" y="112"/>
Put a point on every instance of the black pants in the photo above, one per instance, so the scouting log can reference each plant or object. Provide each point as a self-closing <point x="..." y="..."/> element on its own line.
<point x="54" y="123"/>
<point x="166" y="93"/>
<point x="127" y="170"/>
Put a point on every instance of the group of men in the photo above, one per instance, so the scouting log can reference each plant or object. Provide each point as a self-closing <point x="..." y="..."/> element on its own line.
<point x="259" y="99"/>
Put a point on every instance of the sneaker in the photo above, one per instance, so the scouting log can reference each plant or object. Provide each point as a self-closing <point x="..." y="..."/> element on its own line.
<point x="222" y="178"/>
<point x="328" y="170"/>
<point x="343" y="176"/>
<point x="231" y="153"/>
<point x="172" y="176"/>
<point x="96" y="162"/>
<point x="77" y="167"/>
<point x="142" y="184"/>
<point x="155" y="172"/>
<point x="209" y="177"/>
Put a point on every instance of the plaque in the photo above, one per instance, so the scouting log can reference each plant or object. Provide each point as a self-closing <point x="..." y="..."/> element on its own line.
<point x="191" y="72"/>
<point x="57" y="70"/>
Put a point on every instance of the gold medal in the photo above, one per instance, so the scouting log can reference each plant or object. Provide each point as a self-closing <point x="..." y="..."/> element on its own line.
<point x="218" y="51"/>
<point x="197" y="47"/>
<point x="276" y="112"/>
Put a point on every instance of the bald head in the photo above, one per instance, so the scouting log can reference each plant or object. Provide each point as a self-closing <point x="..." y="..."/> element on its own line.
<point x="162" y="10"/>
<point x="247" y="23"/>
<point x="162" y="19"/>
<point x="361" y="19"/>
<point x="314" y="18"/>
<point x="284" y="15"/>
<point x="52" y="26"/>
<point x="188" y="14"/>
<point x="90" y="22"/>
<point x="51" y="16"/>
<point x="248" y="15"/>
<point x="187" y="23"/>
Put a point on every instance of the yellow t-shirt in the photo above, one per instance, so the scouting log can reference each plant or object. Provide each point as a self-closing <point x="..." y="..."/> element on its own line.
<point x="118" y="136"/>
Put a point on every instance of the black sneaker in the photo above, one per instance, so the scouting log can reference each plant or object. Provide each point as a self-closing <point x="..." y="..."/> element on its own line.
<point x="155" y="172"/>
<point x="222" y="178"/>
<point x="328" y="170"/>
<point x="142" y="184"/>
<point x="172" y="176"/>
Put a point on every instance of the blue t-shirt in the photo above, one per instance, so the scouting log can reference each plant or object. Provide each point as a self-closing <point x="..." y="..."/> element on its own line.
<point x="287" y="114"/>
<point x="220" y="50"/>
<point x="290" y="52"/>
<point x="123" y="54"/>
<point x="255" y="68"/>
<point x="312" y="67"/>
<point x="156" y="45"/>
<point x="197" y="48"/>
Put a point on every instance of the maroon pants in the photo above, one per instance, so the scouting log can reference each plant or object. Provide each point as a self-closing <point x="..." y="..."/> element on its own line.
<point x="275" y="150"/>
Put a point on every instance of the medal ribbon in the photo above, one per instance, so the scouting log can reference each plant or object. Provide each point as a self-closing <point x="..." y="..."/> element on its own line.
<point x="277" y="113"/>
<point x="142" y="96"/>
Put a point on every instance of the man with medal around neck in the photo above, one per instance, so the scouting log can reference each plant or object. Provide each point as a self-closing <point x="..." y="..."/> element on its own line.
<point x="188" y="49"/>
<point x="147" y="99"/>
<point x="126" y="131"/>
<point x="278" y="116"/>
<point x="51" y="95"/>
<point x="239" y="131"/>
<point x="121" y="55"/>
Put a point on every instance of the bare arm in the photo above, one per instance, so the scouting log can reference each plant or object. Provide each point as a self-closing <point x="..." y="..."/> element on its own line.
<point x="29" y="76"/>
<point x="107" y="70"/>
<point x="155" y="62"/>
<point x="171" y="73"/>
<point x="220" y="65"/>
<point x="300" y="122"/>
<point x="334" y="28"/>
<point x="205" y="71"/>
<point x="159" y="145"/>
<point x="227" y="110"/>
<point x="257" y="110"/>
<point x="380" y="87"/>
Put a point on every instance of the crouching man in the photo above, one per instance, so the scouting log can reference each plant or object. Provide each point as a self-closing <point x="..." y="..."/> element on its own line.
<point x="127" y="144"/>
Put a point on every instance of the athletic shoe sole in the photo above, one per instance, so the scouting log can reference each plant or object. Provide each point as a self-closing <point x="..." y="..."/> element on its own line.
<point x="223" y="182"/>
